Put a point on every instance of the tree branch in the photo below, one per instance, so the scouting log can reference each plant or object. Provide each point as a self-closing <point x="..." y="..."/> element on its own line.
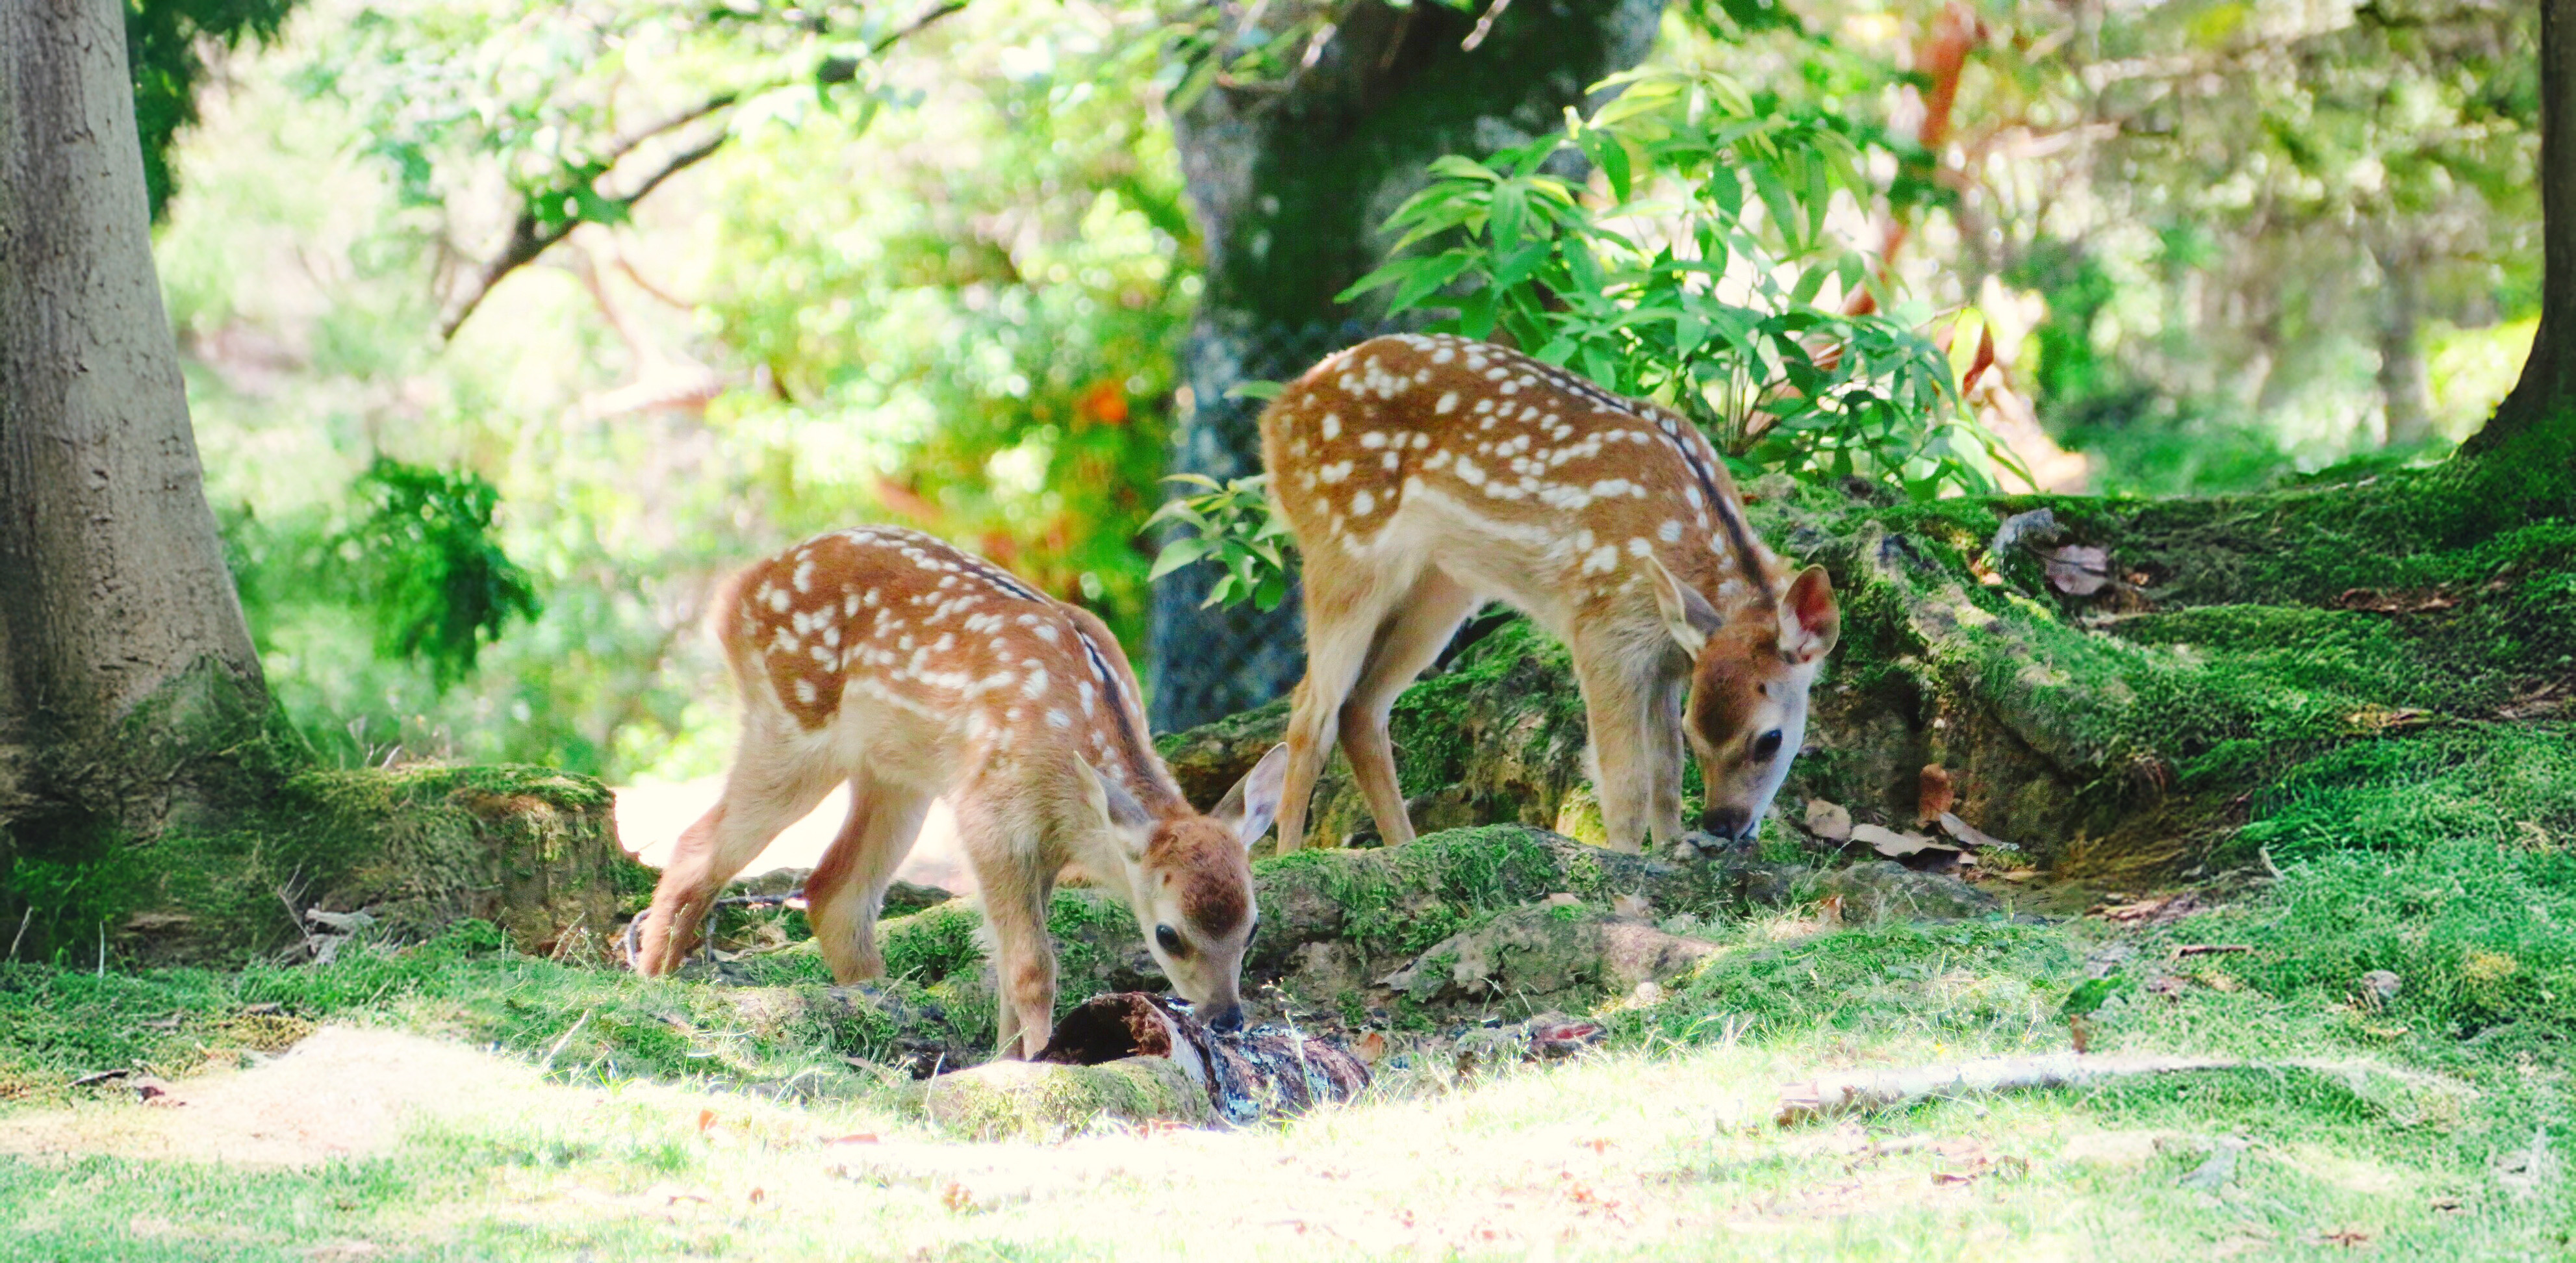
<point x="529" y="238"/>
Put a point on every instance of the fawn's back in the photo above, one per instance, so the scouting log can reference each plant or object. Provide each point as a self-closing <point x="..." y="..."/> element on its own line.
<point x="1519" y="478"/>
<point x="933" y="660"/>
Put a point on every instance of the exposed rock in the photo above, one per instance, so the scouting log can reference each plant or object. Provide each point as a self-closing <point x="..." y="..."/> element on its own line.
<point x="1883" y="889"/>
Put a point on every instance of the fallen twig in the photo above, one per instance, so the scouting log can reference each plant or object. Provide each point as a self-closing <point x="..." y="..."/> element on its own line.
<point x="1829" y="1095"/>
<point x="2208" y="949"/>
<point x="549" y="1066"/>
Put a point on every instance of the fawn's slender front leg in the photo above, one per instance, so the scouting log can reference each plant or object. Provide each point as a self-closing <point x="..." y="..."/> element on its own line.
<point x="1666" y="750"/>
<point x="1014" y="890"/>
<point x="1618" y="707"/>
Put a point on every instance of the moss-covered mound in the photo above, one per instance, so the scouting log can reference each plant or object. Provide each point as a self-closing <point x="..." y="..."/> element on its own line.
<point x="417" y="848"/>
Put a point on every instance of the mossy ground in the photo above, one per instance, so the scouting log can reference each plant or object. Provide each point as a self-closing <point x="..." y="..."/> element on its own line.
<point x="2418" y="1143"/>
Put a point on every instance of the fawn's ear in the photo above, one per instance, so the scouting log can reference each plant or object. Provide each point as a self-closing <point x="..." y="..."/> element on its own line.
<point x="1117" y="808"/>
<point x="1253" y="803"/>
<point x="1687" y="614"/>
<point x="1809" y="621"/>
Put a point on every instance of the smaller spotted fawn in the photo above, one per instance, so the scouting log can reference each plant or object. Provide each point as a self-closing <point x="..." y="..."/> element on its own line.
<point x="913" y="671"/>
<point x="1423" y="476"/>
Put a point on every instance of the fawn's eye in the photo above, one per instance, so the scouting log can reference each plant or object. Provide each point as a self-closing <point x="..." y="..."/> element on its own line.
<point x="1766" y="746"/>
<point x="1169" y="938"/>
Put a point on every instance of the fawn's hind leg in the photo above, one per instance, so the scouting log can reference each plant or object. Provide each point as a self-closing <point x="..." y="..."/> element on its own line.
<point x="1345" y="606"/>
<point x="768" y="789"/>
<point x="847" y="888"/>
<point x="1413" y="635"/>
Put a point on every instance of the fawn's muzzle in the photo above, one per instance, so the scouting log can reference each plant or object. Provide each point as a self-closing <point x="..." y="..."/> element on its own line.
<point x="1736" y="823"/>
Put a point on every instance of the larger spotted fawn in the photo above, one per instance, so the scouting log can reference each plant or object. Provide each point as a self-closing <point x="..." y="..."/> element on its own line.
<point x="1425" y="475"/>
<point x="892" y="661"/>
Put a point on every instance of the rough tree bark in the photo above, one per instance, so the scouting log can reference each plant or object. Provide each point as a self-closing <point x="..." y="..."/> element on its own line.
<point x="121" y="640"/>
<point x="2538" y="420"/>
<point x="1290" y="181"/>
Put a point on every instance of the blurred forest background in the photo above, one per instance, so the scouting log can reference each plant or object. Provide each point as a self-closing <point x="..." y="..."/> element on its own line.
<point x="510" y="326"/>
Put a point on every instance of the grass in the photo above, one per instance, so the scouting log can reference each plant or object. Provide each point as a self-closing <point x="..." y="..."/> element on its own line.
<point x="1660" y="1146"/>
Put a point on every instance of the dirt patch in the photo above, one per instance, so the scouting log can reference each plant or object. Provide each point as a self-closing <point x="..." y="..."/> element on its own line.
<point x="343" y="1092"/>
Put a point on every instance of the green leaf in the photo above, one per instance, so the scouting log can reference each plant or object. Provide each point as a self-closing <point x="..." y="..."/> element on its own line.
<point x="1178" y="553"/>
<point x="1476" y="314"/>
<point x="1253" y="389"/>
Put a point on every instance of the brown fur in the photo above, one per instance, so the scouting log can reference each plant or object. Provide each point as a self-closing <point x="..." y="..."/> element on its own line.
<point x="911" y="670"/>
<point x="1423" y="475"/>
<point x="1215" y="881"/>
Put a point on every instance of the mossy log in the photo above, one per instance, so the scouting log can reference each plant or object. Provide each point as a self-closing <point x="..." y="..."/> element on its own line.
<point x="2126" y="730"/>
<point x="532" y="850"/>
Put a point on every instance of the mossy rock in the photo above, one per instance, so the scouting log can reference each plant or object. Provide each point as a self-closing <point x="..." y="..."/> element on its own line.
<point x="531" y="850"/>
<point x="1387" y="904"/>
<point x="1022" y="1100"/>
<point x="1544" y="956"/>
<point x="894" y="1024"/>
<point x="1883" y="890"/>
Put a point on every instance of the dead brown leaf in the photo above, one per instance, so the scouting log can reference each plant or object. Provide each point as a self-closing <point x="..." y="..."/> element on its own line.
<point x="1892" y="844"/>
<point x="2544" y="699"/>
<point x="1971" y="835"/>
<point x="2208" y="949"/>
<point x="1829" y="821"/>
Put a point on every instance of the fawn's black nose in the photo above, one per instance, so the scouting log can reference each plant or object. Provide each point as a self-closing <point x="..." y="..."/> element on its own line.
<point x="1229" y="1018"/>
<point x="1729" y="822"/>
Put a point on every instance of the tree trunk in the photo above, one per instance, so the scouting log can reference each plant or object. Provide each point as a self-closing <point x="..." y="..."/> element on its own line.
<point x="2405" y="398"/>
<point x="2538" y="420"/>
<point x="124" y="660"/>
<point x="1291" y="182"/>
